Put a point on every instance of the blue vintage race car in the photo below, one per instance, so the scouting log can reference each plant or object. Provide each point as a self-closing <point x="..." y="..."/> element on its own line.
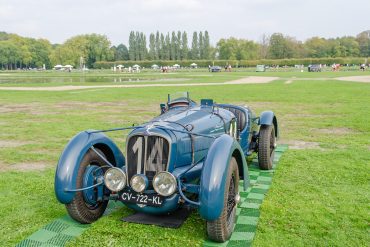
<point x="190" y="155"/>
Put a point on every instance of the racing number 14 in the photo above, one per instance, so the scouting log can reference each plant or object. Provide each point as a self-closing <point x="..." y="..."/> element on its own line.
<point x="155" y="157"/>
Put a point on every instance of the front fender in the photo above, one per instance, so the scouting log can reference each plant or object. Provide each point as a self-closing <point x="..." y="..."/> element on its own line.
<point x="269" y="118"/>
<point x="214" y="173"/>
<point x="72" y="155"/>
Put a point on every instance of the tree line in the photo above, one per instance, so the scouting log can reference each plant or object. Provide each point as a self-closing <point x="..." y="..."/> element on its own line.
<point x="169" y="46"/>
<point x="22" y="52"/>
<point x="19" y="52"/>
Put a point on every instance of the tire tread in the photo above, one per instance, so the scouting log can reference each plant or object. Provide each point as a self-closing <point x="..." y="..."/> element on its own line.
<point x="218" y="230"/>
<point x="77" y="209"/>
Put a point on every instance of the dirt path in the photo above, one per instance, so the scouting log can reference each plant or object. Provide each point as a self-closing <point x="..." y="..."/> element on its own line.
<point x="245" y="80"/>
<point x="360" y="78"/>
<point x="24" y="167"/>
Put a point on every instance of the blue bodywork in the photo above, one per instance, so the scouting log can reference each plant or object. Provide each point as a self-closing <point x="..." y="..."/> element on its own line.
<point x="72" y="155"/>
<point x="268" y="118"/>
<point x="201" y="139"/>
<point x="213" y="177"/>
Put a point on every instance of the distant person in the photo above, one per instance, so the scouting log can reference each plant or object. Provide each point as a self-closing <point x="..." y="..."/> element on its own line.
<point x="362" y="67"/>
<point x="335" y="67"/>
<point x="209" y="68"/>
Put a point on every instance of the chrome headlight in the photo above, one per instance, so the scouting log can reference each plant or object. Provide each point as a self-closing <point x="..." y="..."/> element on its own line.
<point x="139" y="183"/>
<point x="164" y="183"/>
<point x="115" y="179"/>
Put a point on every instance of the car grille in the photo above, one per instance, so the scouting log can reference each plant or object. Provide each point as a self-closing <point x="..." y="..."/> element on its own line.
<point x="147" y="155"/>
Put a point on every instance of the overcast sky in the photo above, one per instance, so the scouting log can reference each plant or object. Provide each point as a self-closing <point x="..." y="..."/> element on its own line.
<point x="58" y="20"/>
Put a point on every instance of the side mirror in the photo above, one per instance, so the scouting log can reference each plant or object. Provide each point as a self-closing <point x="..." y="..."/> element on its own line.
<point x="163" y="108"/>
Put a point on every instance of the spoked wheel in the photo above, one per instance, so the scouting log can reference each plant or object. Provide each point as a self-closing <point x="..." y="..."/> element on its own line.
<point x="220" y="230"/>
<point x="85" y="206"/>
<point x="266" y="147"/>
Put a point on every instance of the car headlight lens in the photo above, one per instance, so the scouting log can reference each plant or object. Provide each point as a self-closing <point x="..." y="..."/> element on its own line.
<point x="164" y="183"/>
<point x="139" y="183"/>
<point x="115" y="179"/>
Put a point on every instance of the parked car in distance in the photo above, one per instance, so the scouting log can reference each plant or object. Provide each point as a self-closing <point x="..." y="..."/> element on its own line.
<point x="215" y="69"/>
<point x="260" y="68"/>
<point x="314" y="68"/>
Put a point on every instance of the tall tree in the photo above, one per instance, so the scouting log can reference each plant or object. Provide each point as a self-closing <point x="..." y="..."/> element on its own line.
<point x="280" y="47"/>
<point x="132" y="45"/>
<point x="167" y="49"/>
<point x="173" y="46"/>
<point x="92" y="47"/>
<point x="363" y="40"/>
<point x="97" y="48"/>
<point x="201" y="45"/>
<point x="9" y="55"/>
<point x="157" y="45"/>
<point x="152" y="47"/>
<point x="184" y="46"/>
<point x="317" y="47"/>
<point x="206" y="46"/>
<point x="121" y="53"/>
<point x="349" y="46"/>
<point x="178" y="46"/>
<point x="237" y="49"/>
<point x="162" y="54"/>
<point x="264" y="46"/>
<point x="143" y="49"/>
<point x="137" y="46"/>
<point x="195" y="46"/>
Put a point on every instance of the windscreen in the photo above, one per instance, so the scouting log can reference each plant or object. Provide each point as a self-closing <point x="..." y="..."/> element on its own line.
<point x="178" y="96"/>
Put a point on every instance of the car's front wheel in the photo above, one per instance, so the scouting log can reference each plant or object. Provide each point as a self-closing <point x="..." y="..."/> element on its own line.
<point x="221" y="229"/>
<point x="85" y="206"/>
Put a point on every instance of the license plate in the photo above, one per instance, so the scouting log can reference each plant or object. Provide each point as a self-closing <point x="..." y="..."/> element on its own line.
<point x="150" y="199"/>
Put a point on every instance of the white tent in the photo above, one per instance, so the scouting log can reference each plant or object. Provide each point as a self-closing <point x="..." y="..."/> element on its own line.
<point x="155" y="66"/>
<point x="136" y="66"/>
<point x="120" y="66"/>
<point x="68" y="66"/>
<point x="58" y="67"/>
<point x="176" y="66"/>
<point x="194" y="65"/>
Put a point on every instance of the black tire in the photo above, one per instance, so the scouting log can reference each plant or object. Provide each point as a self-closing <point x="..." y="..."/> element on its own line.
<point x="221" y="229"/>
<point x="79" y="209"/>
<point x="266" y="147"/>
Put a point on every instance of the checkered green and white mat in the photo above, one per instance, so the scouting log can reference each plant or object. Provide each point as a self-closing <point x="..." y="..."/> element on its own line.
<point x="64" y="229"/>
<point x="60" y="231"/>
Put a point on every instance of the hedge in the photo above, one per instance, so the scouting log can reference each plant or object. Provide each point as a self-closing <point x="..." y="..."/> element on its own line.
<point x="235" y="63"/>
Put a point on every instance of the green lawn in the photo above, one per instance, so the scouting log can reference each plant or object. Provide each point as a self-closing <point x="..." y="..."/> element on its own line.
<point x="319" y="195"/>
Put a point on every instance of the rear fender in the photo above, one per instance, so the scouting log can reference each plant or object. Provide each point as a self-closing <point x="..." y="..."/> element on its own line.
<point x="72" y="155"/>
<point x="214" y="174"/>
<point x="269" y="118"/>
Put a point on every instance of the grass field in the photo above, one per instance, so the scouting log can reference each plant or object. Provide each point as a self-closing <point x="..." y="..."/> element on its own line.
<point x="320" y="191"/>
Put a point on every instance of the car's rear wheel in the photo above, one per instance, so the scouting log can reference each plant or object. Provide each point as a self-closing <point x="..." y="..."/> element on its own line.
<point x="221" y="229"/>
<point x="85" y="208"/>
<point x="266" y="147"/>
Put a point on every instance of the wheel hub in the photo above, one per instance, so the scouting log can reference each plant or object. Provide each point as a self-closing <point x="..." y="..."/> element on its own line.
<point x="92" y="175"/>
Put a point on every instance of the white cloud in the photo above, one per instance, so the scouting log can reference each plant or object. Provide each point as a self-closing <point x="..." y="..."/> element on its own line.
<point x="58" y="20"/>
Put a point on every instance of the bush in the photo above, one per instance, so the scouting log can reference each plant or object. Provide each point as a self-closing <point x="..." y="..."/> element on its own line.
<point x="235" y="63"/>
